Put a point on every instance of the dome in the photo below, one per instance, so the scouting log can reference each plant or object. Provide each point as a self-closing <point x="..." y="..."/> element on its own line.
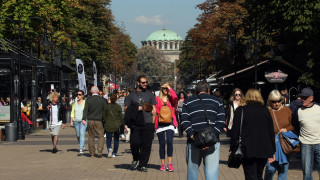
<point x="164" y="35"/>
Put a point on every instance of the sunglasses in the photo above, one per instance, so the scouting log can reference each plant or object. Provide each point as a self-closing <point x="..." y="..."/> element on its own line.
<point x="237" y="94"/>
<point x="100" y="94"/>
<point x="165" y="88"/>
<point x="304" y="97"/>
<point x="79" y="94"/>
<point x="144" y="82"/>
<point x="279" y="101"/>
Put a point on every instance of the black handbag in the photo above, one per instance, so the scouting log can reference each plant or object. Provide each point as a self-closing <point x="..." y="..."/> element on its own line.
<point x="236" y="152"/>
<point x="204" y="137"/>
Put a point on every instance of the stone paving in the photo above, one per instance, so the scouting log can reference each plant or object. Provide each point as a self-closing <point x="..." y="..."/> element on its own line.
<point x="32" y="159"/>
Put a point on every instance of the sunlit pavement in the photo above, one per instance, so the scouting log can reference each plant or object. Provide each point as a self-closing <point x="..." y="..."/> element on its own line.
<point x="32" y="159"/>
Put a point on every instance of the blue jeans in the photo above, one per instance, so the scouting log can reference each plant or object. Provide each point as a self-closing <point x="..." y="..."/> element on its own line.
<point x="194" y="157"/>
<point x="80" y="132"/>
<point x="115" y="140"/>
<point x="162" y="143"/>
<point x="273" y="167"/>
<point x="309" y="152"/>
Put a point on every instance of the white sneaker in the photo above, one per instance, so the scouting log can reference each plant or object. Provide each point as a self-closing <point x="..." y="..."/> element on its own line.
<point x="81" y="151"/>
<point x="110" y="153"/>
<point x="113" y="155"/>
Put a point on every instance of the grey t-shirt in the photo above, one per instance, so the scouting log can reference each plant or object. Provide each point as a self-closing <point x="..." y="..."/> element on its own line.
<point x="147" y="97"/>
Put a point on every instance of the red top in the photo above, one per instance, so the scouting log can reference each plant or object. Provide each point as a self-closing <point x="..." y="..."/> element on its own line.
<point x="172" y="103"/>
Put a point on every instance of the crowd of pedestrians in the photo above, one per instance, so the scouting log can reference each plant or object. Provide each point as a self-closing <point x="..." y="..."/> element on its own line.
<point x="139" y="114"/>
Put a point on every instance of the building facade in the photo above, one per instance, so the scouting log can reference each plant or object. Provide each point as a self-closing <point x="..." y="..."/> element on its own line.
<point x="166" y="41"/>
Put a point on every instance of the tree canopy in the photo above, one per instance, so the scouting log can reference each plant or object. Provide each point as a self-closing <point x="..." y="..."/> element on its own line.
<point x="90" y="24"/>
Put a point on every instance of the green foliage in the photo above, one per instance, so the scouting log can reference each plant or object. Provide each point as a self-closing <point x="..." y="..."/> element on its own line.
<point x="89" y="23"/>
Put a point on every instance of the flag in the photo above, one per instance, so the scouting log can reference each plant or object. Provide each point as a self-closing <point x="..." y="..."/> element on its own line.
<point x="81" y="76"/>
<point x="95" y="74"/>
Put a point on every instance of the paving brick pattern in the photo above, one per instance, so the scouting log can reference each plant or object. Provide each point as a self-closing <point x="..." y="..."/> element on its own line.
<point x="32" y="159"/>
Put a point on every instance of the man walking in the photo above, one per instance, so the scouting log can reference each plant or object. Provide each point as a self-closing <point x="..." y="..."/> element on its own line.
<point x="142" y="102"/>
<point x="93" y="111"/>
<point x="309" y="120"/>
<point x="194" y="118"/>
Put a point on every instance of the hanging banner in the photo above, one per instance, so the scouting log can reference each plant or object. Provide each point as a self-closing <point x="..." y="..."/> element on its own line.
<point x="81" y="76"/>
<point x="95" y="74"/>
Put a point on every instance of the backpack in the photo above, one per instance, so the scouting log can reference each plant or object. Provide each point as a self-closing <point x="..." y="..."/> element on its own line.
<point x="165" y="115"/>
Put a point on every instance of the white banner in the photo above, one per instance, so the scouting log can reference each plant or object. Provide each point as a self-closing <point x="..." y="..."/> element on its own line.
<point x="95" y="74"/>
<point x="81" y="76"/>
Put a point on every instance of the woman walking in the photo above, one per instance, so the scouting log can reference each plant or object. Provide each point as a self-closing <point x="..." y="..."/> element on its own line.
<point x="257" y="134"/>
<point x="166" y="99"/>
<point x="113" y="118"/>
<point x="281" y="116"/>
<point x="236" y="100"/>
<point x="182" y="96"/>
<point x="57" y="118"/>
<point x="76" y="119"/>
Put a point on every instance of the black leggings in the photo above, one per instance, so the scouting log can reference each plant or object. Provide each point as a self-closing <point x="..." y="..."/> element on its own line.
<point x="162" y="143"/>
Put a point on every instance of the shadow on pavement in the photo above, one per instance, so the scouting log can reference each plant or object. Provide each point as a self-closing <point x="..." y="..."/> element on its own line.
<point x="126" y="151"/>
<point x="127" y="166"/>
<point x="72" y="150"/>
<point x="48" y="150"/>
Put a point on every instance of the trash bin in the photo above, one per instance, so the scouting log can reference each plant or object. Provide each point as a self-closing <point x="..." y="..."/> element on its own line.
<point x="11" y="132"/>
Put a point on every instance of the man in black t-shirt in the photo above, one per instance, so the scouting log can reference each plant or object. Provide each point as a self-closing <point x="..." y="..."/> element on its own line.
<point x="142" y="135"/>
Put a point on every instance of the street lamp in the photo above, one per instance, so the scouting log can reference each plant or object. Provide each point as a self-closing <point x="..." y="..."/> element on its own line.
<point x="248" y="53"/>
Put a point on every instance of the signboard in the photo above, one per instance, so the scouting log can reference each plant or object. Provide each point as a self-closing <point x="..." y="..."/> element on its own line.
<point x="5" y="113"/>
<point x="276" y="76"/>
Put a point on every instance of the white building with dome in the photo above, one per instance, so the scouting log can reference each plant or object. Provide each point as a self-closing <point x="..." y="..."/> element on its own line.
<point x="166" y="41"/>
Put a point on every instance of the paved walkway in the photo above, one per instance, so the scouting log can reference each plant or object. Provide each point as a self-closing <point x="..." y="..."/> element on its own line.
<point x="32" y="159"/>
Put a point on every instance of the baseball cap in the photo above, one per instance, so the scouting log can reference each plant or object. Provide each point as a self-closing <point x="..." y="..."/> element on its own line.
<point x="306" y="92"/>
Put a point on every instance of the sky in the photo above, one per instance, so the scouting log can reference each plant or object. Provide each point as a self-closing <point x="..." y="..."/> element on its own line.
<point x="143" y="17"/>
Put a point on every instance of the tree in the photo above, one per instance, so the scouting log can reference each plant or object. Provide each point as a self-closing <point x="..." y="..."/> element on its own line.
<point x="150" y="62"/>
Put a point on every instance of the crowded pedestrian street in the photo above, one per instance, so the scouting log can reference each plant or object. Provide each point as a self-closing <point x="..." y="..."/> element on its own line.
<point x="33" y="159"/>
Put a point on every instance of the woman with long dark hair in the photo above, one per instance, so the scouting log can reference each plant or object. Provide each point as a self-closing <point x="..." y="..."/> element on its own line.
<point x="182" y="96"/>
<point x="236" y="100"/>
<point x="76" y="119"/>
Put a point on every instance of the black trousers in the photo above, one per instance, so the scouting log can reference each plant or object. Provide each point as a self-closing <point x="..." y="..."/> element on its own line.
<point x="253" y="168"/>
<point x="141" y="143"/>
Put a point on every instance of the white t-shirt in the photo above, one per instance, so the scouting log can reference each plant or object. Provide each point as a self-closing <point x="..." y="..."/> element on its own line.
<point x="54" y="115"/>
<point x="309" y="119"/>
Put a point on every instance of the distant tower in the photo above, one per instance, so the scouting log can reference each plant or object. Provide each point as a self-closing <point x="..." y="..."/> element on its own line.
<point x="166" y="41"/>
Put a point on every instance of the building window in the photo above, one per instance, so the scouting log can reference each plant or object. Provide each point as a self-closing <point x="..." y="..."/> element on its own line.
<point x="160" y="45"/>
<point x="171" y="46"/>
<point x="155" y="44"/>
<point x="176" y="46"/>
<point x="166" y="46"/>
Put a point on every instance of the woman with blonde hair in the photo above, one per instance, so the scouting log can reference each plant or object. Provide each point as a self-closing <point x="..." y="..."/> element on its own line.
<point x="281" y="116"/>
<point x="167" y="97"/>
<point x="57" y="118"/>
<point x="257" y="134"/>
<point x="236" y="100"/>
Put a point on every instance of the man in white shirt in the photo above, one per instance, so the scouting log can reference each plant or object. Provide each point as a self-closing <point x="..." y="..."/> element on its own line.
<point x="309" y="120"/>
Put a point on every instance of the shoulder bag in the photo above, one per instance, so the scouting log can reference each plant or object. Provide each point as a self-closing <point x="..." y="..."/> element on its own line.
<point x="236" y="153"/>
<point x="204" y="137"/>
<point x="286" y="145"/>
<point x="145" y="106"/>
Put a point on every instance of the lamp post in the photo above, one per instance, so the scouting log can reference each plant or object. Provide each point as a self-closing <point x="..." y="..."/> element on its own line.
<point x="248" y="54"/>
<point x="17" y="76"/>
<point x="59" y="56"/>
